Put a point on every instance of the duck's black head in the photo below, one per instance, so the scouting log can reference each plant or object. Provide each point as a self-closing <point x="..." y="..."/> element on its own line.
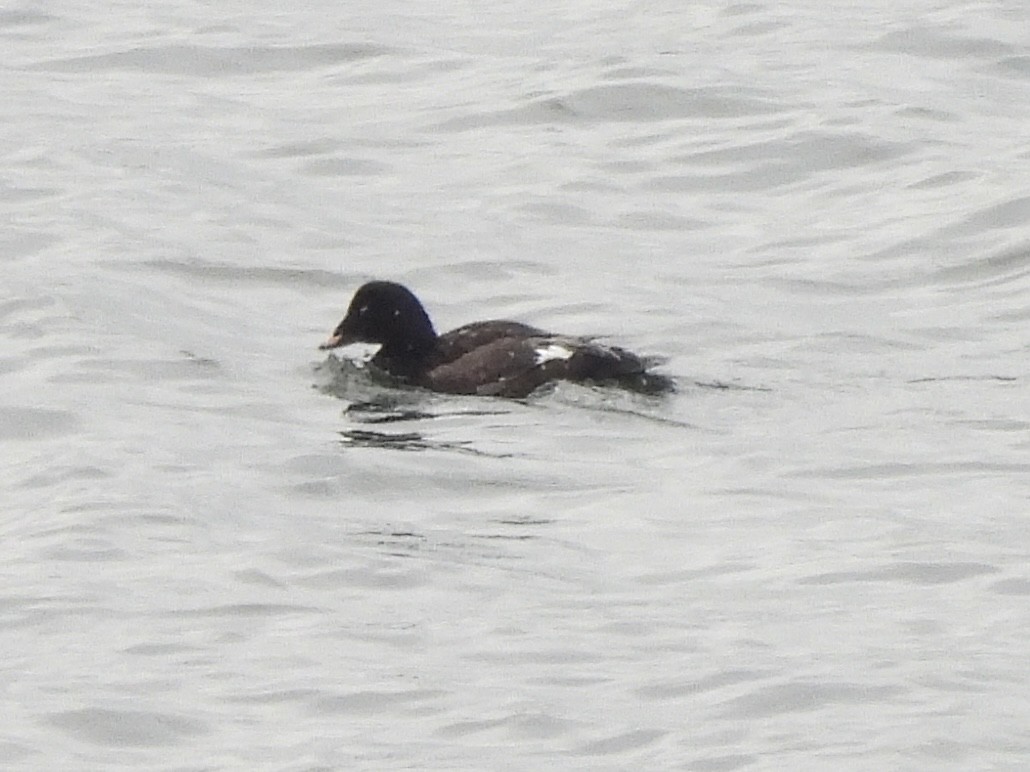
<point x="387" y="313"/>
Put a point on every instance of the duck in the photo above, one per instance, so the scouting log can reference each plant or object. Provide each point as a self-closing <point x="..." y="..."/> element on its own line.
<point x="495" y="358"/>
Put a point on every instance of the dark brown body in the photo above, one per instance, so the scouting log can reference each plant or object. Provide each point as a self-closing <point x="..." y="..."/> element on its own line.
<point x="493" y="358"/>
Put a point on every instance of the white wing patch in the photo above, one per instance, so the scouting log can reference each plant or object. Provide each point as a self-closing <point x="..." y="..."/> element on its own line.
<point x="552" y="351"/>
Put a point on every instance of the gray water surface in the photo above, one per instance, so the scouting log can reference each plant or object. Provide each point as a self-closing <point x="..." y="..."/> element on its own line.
<point x="225" y="550"/>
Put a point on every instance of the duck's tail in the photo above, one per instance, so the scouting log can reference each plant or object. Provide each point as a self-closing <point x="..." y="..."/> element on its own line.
<point x="612" y="364"/>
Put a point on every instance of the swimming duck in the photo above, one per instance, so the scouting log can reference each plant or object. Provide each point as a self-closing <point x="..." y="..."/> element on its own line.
<point x="491" y="358"/>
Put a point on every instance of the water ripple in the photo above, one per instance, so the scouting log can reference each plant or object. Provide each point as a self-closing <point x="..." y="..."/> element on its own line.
<point x="128" y="728"/>
<point x="35" y="423"/>
<point x="909" y="573"/>
<point x="215" y="62"/>
<point x="781" y="699"/>
<point x="642" y="102"/>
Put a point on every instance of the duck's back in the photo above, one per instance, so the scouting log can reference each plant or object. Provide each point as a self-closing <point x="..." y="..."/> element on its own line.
<point x="517" y="363"/>
<point x="469" y="337"/>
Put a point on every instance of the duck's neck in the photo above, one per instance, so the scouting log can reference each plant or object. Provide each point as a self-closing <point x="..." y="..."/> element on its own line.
<point x="408" y="358"/>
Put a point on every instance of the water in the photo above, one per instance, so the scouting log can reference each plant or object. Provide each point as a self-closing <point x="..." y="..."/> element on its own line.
<point x="813" y="555"/>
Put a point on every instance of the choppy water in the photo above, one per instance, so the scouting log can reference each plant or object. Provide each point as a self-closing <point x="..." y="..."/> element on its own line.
<point x="218" y="556"/>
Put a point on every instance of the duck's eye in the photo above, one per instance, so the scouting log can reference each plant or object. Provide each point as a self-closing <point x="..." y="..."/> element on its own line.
<point x="396" y="313"/>
<point x="362" y="310"/>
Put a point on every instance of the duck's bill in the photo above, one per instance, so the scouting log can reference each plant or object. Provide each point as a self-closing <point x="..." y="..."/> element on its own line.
<point x="334" y="341"/>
